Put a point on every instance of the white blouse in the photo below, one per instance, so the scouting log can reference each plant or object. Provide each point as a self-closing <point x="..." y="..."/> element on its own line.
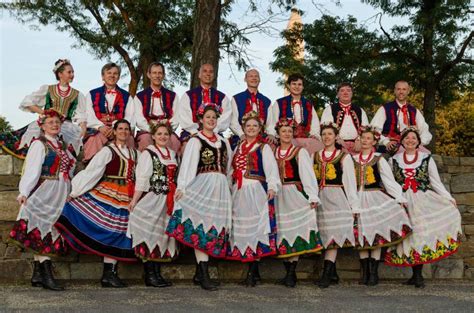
<point x="94" y="122"/>
<point x="144" y="168"/>
<point x="386" y="174"/>
<point x="190" y="160"/>
<point x="38" y="98"/>
<point x="435" y="179"/>
<point x="85" y="180"/>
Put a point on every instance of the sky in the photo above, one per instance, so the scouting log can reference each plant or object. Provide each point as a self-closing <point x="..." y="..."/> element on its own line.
<point x="27" y="56"/>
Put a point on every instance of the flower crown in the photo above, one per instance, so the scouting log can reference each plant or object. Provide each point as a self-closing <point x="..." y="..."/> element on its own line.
<point x="285" y="122"/>
<point x="371" y="129"/>
<point x="206" y="106"/>
<point x="155" y="124"/>
<point x="410" y="129"/>
<point x="60" y="63"/>
<point x="251" y="115"/>
<point x="49" y="113"/>
<point x="329" y="125"/>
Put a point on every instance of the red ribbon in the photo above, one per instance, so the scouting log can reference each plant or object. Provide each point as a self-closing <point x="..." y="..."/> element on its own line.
<point x="130" y="180"/>
<point x="111" y="92"/>
<point x="410" y="181"/>
<point x="405" y="114"/>
<point x="206" y="96"/>
<point x="172" y="185"/>
<point x="156" y="94"/>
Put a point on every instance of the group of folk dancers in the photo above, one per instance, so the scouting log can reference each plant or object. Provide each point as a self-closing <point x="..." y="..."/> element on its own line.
<point x="283" y="186"/>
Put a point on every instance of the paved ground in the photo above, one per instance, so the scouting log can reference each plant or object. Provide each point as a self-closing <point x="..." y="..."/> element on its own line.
<point x="439" y="296"/>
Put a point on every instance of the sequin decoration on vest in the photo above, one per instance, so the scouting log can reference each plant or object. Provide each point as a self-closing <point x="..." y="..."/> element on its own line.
<point x="200" y="95"/>
<point x="286" y="106"/>
<point x="247" y="101"/>
<point x="212" y="159"/>
<point x="101" y="107"/>
<point x="165" y="98"/>
<point x="391" y="129"/>
<point x="368" y="175"/>
<point x="413" y="178"/>
<point x="66" y="106"/>
<point x="329" y="174"/>
<point x="354" y="111"/>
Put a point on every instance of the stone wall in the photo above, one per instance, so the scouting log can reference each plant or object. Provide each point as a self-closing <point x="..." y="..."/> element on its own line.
<point x="456" y="173"/>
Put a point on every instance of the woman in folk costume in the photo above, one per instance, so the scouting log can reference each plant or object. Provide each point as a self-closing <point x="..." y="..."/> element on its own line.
<point x="152" y="205"/>
<point x="202" y="216"/>
<point x="44" y="187"/>
<point x="434" y="216"/>
<point x="334" y="170"/>
<point x="95" y="220"/>
<point x="61" y="97"/>
<point x="296" y="202"/>
<point x="382" y="220"/>
<point x="255" y="183"/>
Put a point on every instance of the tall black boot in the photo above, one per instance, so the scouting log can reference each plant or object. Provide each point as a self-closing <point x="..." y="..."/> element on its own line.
<point x="411" y="281"/>
<point x="325" y="280"/>
<point x="364" y="271"/>
<point x="47" y="279"/>
<point x="256" y="273"/>
<point x="110" y="277"/>
<point x="418" y="280"/>
<point x="281" y="281"/>
<point x="161" y="280"/>
<point x="334" y="276"/>
<point x="36" y="280"/>
<point x="250" y="280"/>
<point x="291" y="278"/>
<point x="197" y="277"/>
<point x="205" y="280"/>
<point x="373" y="272"/>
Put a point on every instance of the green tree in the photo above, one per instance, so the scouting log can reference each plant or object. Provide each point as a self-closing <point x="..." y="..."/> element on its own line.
<point x="431" y="52"/>
<point x="5" y="125"/>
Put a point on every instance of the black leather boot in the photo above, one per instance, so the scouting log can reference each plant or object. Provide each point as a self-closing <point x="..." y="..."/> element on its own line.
<point x="110" y="277"/>
<point x="36" y="280"/>
<point x="161" y="280"/>
<point x="325" y="280"/>
<point x="197" y="277"/>
<point x="364" y="271"/>
<point x="334" y="276"/>
<point x="373" y="272"/>
<point x="205" y="280"/>
<point x="291" y="278"/>
<point x="418" y="279"/>
<point x="411" y="281"/>
<point x="47" y="278"/>
<point x="281" y="281"/>
<point x="151" y="278"/>
<point x="250" y="280"/>
<point x="256" y="273"/>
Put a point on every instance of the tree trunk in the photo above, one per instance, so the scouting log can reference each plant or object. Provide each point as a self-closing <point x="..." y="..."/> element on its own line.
<point x="207" y="20"/>
<point x="133" y="85"/>
<point x="429" y="82"/>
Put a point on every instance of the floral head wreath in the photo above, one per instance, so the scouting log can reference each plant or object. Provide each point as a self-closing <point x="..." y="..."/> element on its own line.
<point x="371" y="129"/>
<point x="60" y="63"/>
<point x="410" y="129"/>
<point x="251" y="115"/>
<point x="155" y="124"/>
<point x="49" y="113"/>
<point x="209" y="106"/>
<point x="329" y="125"/>
<point x="285" y="122"/>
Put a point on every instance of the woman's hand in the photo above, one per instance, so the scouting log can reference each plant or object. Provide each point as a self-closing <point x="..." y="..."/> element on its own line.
<point x="131" y="206"/>
<point x="178" y="195"/>
<point x="271" y="194"/>
<point x="453" y="201"/>
<point x="21" y="200"/>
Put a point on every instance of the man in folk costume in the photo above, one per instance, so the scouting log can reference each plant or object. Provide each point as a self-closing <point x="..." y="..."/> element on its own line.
<point x="348" y="117"/>
<point x="202" y="95"/>
<point x="105" y="105"/>
<point x="153" y="104"/>
<point x="301" y="110"/>
<point x="246" y="101"/>
<point x="393" y="117"/>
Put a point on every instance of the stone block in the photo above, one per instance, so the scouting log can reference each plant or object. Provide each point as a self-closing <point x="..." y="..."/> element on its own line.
<point x="130" y="271"/>
<point x="462" y="183"/>
<point x="438" y="160"/>
<point x="9" y="206"/>
<point x="12" y="252"/>
<point x="233" y="270"/>
<point x="15" y="270"/>
<point x="61" y="270"/>
<point x="467" y="161"/>
<point x="469" y="262"/>
<point x="178" y="272"/>
<point x="466" y="249"/>
<point x="449" y="160"/>
<point x="469" y="274"/>
<point x="3" y="249"/>
<point x="456" y="169"/>
<point x="464" y="198"/>
<point x="6" y="164"/>
<point x="449" y="268"/>
<point x="9" y="182"/>
<point x="469" y="230"/>
<point x="86" y="270"/>
<point x="393" y="272"/>
<point x="18" y="166"/>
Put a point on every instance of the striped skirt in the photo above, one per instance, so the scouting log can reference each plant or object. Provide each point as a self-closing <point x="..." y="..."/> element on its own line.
<point x="97" y="221"/>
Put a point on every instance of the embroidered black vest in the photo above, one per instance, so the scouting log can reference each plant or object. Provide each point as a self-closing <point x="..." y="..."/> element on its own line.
<point x="332" y="177"/>
<point x="421" y="176"/>
<point x="368" y="175"/>
<point x="159" y="180"/>
<point x="212" y="159"/>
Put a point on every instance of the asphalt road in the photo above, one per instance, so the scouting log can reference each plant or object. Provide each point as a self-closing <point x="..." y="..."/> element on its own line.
<point x="438" y="296"/>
